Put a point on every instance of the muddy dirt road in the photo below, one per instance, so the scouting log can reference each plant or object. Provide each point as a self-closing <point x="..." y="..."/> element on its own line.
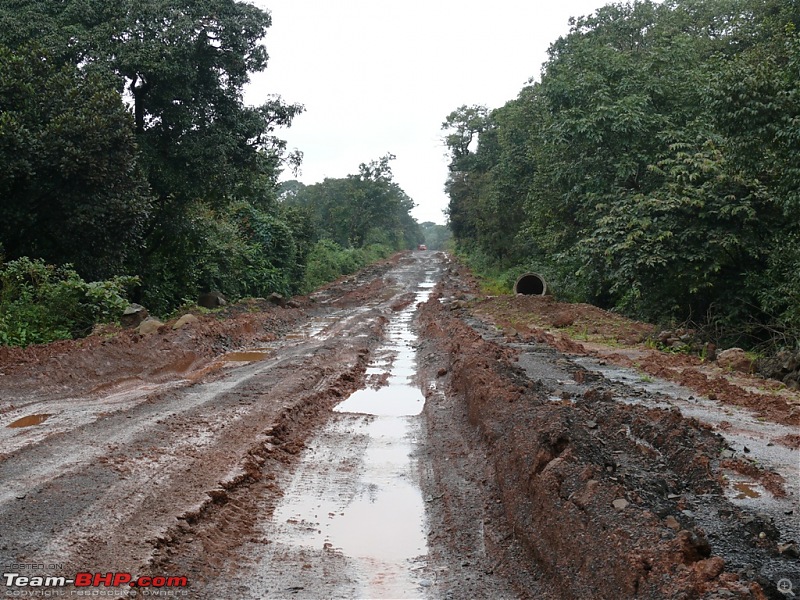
<point x="390" y="436"/>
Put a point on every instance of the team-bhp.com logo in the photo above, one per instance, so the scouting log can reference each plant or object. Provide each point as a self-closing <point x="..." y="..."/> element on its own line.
<point x="93" y="580"/>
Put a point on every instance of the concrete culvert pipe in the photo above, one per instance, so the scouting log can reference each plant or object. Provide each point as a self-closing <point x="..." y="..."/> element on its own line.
<point x="531" y="284"/>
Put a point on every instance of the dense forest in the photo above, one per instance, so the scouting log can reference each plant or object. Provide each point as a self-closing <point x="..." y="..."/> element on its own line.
<point x="653" y="167"/>
<point x="129" y="159"/>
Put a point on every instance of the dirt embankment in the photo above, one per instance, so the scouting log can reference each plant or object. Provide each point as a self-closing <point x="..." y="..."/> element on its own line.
<point x="604" y="496"/>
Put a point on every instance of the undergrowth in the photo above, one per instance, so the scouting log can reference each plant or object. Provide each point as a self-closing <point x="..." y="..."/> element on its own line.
<point x="41" y="303"/>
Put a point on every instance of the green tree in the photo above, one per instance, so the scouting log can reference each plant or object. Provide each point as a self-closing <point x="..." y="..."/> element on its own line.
<point x="360" y="209"/>
<point x="70" y="185"/>
<point x="653" y="167"/>
<point x="181" y="66"/>
<point x="436" y="236"/>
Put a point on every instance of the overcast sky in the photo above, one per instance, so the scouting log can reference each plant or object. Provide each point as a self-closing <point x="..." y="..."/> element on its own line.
<point x="380" y="76"/>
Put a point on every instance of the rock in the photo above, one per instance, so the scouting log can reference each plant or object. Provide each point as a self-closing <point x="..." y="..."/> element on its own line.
<point x="276" y="299"/>
<point x="211" y="300"/>
<point x="133" y="315"/>
<point x="583" y="498"/>
<point x="620" y="503"/>
<point x="457" y="305"/>
<point x="710" y="568"/>
<point x="149" y="325"/>
<point x="672" y="523"/>
<point x="789" y="549"/>
<point x="735" y="359"/>
<point x="293" y="304"/>
<point x="441" y="372"/>
<point x="563" y="319"/>
<point x="185" y="320"/>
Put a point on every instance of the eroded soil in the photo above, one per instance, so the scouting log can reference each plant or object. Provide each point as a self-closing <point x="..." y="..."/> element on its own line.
<point x="510" y="447"/>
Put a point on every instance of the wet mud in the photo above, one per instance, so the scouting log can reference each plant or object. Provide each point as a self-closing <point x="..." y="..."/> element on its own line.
<point x="394" y="438"/>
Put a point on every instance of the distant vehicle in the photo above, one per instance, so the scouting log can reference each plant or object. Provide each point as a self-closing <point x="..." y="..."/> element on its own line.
<point x="422" y="247"/>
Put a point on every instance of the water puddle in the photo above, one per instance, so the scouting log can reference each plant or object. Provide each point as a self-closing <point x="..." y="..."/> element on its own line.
<point x="357" y="492"/>
<point x="746" y="490"/>
<point x="30" y="420"/>
<point x="249" y="356"/>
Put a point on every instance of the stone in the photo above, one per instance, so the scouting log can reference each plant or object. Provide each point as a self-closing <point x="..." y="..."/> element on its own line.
<point x="211" y="300"/>
<point x="148" y="326"/>
<point x="620" y="503"/>
<point x="710" y="568"/>
<point x="735" y="359"/>
<point x="133" y="315"/>
<point x="276" y="299"/>
<point x="563" y="319"/>
<point x="583" y="498"/>
<point x="185" y="320"/>
<point x="672" y="523"/>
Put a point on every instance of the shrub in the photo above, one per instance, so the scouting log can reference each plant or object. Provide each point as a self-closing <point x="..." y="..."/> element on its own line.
<point x="41" y="303"/>
<point x="328" y="261"/>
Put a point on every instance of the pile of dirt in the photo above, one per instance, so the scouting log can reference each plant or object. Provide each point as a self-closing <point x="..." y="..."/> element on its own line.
<point x="97" y="362"/>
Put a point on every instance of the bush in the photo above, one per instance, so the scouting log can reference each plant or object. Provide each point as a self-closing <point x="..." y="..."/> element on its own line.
<point x="328" y="260"/>
<point x="41" y="303"/>
<point x="241" y="251"/>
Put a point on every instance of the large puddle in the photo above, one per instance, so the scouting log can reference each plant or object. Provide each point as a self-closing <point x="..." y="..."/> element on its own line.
<point x="356" y="492"/>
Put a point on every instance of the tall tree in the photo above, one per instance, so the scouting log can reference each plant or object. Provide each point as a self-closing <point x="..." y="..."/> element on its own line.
<point x="70" y="186"/>
<point x="180" y="66"/>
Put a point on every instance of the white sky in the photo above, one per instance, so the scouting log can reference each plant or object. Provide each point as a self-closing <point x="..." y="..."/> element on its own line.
<point x="380" y="76"/>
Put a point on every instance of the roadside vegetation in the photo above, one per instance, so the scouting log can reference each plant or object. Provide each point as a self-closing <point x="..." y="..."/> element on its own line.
<point x="129" y="159"/>
<point x="653" y="168"/>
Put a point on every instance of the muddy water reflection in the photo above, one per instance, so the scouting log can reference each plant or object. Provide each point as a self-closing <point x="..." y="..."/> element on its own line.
<point x="30" y="420"/>
<point x="356" y="492"/>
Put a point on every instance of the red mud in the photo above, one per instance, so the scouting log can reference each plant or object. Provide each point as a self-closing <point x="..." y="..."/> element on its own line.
<point x="528" y="496"/>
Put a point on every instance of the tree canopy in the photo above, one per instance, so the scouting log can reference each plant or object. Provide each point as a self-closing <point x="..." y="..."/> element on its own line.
<point x="127" y="146"/>
<point x="361" y="209"/>
<point x="653" y="166"/>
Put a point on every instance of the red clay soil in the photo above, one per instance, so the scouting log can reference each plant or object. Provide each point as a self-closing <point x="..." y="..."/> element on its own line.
<point x="578" y="497"/>
<point x="582" y="329"/>
<point x="558" y="480"/>
<point x="118" y="357"/>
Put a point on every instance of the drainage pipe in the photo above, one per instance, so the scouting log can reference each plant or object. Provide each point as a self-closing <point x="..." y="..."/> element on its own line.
<point x="531" y="284"/>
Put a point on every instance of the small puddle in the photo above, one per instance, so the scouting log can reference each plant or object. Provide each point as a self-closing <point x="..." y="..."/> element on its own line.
<point x="249" y="356"/>
<point x="746" y="490"/>
<point x="358" y="493"/>
<point x="30" y="420"/>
